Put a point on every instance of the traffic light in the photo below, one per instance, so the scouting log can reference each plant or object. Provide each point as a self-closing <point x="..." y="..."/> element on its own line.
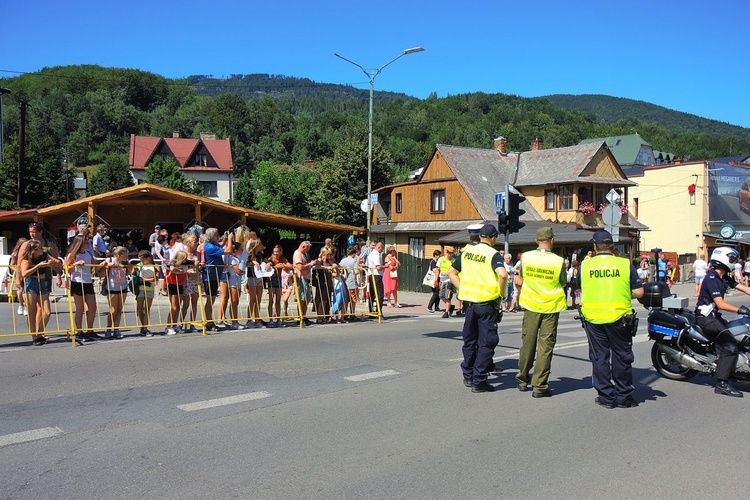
<point x="502" y="222"/>
<point x="515" y="212"/>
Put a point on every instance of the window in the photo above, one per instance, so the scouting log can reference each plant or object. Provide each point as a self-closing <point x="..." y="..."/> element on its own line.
<point x="599" y="193"/>
<point x="438" y="201"/>
<point x="416" y="247"/>
<point x="210" y="188"/>
<point x="566" y="197"/>
<point x="549" y="199"/>
<point x="200" y="160"/>
<point x="399" y="203"/>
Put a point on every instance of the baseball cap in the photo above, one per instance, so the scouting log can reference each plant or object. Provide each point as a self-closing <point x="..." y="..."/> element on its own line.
<point x="450" y="250"/>
<point x="488" y="231"/>
<point x="157" y="226"/>
<point x="602" y="236"/>
<point x="544" y="234"/>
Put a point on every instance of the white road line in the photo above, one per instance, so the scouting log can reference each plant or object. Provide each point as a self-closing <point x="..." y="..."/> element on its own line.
<point x="558" y="347"/>
<point x="26" y="436"/>
<point x="213" y="403"/>
<point x="371" y="375"/>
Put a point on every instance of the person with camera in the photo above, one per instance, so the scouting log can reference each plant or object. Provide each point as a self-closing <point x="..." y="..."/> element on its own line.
<point x="608" y="284"/>
<point x="708" y="316"/>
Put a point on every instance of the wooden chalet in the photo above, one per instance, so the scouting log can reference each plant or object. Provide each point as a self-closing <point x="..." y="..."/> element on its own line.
<point x="457" y="187"/>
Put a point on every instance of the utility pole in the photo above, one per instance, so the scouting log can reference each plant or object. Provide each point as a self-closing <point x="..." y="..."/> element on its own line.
<point x="21" y="153"/>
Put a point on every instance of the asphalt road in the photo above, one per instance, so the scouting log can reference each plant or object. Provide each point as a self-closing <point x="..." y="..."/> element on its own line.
<point x="351" y="411"/>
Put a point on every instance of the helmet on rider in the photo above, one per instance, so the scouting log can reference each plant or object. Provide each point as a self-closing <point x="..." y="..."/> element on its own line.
<point x="724" y="258"/>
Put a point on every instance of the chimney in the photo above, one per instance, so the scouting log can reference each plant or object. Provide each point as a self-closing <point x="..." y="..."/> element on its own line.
<point x="537" y="144"/>
<point x="500" y="145"/>
<point x="175" y="135"/>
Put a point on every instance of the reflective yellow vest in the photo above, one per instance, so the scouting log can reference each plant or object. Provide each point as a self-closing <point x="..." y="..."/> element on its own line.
<point x="479" y="281"/>
<point x="444" y="264"/>
<point x="541" y="291"/>
<point x="605" y="289"/>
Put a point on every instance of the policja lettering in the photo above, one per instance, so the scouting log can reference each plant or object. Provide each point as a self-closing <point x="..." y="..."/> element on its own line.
<point x="604" y="273"/>
<point x="481" y="259"/>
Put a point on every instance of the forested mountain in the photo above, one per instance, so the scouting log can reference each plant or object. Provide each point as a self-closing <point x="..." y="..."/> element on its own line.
<point x="83" y="115"/>
<point x="611" y="109"/>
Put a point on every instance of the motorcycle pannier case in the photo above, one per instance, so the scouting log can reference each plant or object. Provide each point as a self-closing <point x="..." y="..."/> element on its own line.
<point x="653" y="293"/>
<point x="662" y="323"/>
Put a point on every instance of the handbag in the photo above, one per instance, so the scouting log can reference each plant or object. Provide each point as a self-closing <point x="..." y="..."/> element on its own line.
<point x="394" y="273"/>
<point x="429" y="278"/>
<point x="518" y="280"/>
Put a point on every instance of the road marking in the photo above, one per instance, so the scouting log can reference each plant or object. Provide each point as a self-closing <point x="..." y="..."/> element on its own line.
<point x="230" y="400"/>
<point x="558" y="347"/>
<point x="371" y="375"/>
<point x="26" y="436"/>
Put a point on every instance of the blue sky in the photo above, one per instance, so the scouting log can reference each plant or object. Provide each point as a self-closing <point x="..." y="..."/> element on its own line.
<point x="685" y="55"/>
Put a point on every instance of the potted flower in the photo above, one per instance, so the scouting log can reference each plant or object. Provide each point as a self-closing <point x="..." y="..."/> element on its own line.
<point x="586" y="208"/>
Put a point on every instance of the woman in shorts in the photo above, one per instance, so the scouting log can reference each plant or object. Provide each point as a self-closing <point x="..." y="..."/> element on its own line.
<point x="192" y="281"/>
<point x="275" y="285"/>
<point x="254" y="284"/>
<point x="175" y="279"/>
<point x="117" y="269"/>
<point x="148" y="276"/>
<point x="79" y="264"/>
<point x="31" y="265"/>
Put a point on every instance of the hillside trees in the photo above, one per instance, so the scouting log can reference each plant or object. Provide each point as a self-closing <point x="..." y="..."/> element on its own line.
<point x="114" y="173"/>
<point x="168" y="174"/>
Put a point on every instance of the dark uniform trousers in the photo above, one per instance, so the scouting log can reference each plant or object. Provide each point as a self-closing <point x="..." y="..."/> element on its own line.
<point x="714" y="328"/>
<point x="615" y="341"/>
<point x="480" y="339"/>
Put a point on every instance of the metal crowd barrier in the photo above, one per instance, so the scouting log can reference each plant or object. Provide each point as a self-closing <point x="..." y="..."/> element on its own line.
<point x="331" y="302"/>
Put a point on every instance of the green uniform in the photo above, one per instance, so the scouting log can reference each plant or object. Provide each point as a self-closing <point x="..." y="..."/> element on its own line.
<point x="542" y="297"/>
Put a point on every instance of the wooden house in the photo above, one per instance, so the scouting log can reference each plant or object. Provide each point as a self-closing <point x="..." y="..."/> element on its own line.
<point x="457" y="187"/>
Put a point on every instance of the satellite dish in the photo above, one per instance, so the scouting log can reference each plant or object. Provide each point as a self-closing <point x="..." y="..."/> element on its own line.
<point x="364" y="206"/>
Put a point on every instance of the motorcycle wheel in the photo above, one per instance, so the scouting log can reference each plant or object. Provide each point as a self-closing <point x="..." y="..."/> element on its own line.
<point x="668" y="367"/>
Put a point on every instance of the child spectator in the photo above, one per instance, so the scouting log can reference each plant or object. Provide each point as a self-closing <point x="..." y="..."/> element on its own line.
<point x="148" y="276"/>
<point x="117" y="270"/>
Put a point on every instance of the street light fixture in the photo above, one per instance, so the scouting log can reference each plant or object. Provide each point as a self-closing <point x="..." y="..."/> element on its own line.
<point x="371" y="74"/>
<point x="3" y="91"/>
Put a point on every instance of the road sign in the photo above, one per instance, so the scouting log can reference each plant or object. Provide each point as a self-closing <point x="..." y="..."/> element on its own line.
<point x="364" y="206"/>
<point x="499" y="202"/>
<point x="373" y="198"/>
<point x="611" y="216"/>
<point x="613" y="196"/>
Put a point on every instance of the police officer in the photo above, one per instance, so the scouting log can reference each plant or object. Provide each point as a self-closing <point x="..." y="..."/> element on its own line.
<point x="480" y="277"/>
<point x="707" y="315"/>
<point x="543" y="297"/>
<point x="473" y="232"/>
<point x="608" y="284"/>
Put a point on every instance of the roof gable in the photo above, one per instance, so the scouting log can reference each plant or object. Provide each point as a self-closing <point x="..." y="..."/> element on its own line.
<point x="625" y="148"/>
<point x="143" y="149"/>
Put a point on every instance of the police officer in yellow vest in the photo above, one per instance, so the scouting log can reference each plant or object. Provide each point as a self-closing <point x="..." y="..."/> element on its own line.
<point x="542" y="297"/>
<point x="480" y="277"/>
<point x="608" y="284"/>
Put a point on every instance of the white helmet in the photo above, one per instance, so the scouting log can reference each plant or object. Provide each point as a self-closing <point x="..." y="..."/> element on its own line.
<point x="724" y="258"/>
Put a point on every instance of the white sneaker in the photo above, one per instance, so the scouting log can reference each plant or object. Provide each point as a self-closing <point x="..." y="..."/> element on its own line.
<point x="170" y="331"/>
<point x="25" y="311"/>
<point x="20" y="309"/>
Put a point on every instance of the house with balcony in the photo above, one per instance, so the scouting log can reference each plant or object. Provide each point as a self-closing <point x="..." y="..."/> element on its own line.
<point x="206" y="160"/>
<point x="457" y="187"/>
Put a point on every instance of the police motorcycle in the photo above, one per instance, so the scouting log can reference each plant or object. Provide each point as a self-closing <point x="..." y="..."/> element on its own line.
<point x="680" y="349"/>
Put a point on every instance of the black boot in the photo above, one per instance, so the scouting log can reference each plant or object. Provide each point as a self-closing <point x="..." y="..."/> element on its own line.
<point x="723" y="387"/>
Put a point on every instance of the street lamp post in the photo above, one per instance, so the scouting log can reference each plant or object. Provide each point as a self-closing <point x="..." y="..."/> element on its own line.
<point x="3" y="91"/>
<point x="371" y="74"/>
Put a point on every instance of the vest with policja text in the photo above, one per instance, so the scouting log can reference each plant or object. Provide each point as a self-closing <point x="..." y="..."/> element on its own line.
<point x="479" y="281"/>
<point x="605" y="289"/>
<point x="541" y="291"/>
